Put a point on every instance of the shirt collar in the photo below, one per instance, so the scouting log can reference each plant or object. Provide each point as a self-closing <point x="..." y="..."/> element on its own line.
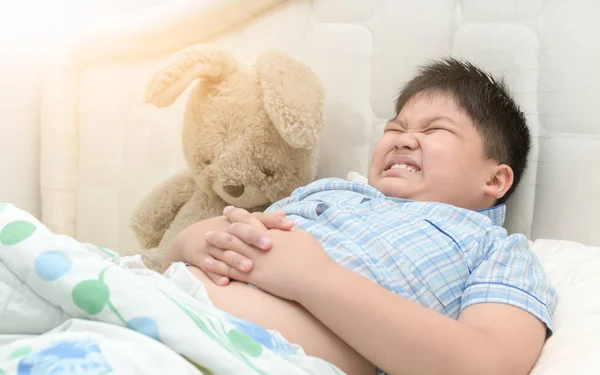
<point x="497" y="214"/>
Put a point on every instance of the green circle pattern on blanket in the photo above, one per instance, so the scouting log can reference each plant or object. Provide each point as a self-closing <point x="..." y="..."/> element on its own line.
<point x="244" y="343"/>
<point x="16" y="231"/>
<point x="91" y="296"/>
<point x="19" y="352"/>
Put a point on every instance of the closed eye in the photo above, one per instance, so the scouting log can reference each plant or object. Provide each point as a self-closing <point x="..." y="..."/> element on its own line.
<point x="393" y="126"/>
<point x="267" y="172"/>
<point x="432" y="130"/>
<point x="395" y="130"/>
<point x="202" y="160"/>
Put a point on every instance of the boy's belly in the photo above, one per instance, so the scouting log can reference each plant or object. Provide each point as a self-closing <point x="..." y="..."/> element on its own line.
<point x="294" y="322"/>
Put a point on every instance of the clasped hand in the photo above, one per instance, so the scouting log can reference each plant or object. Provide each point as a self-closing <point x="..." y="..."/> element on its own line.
<point x="263" y="249"/>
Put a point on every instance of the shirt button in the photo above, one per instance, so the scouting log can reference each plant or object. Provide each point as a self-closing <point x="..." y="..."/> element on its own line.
<point x="321" y="207"/>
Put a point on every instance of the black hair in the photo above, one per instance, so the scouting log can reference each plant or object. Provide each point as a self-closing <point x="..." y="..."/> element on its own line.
<point x="488" y="102"/>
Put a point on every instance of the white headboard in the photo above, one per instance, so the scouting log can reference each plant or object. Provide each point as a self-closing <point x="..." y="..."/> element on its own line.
<point x="103" y="150"/>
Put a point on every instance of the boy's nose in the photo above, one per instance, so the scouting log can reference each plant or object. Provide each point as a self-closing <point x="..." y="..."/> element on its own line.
<point x="407" y="141"/>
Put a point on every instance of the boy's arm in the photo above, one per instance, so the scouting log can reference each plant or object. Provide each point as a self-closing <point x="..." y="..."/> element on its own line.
<point x="401" y="336"/>
<point x="396" y="334"/>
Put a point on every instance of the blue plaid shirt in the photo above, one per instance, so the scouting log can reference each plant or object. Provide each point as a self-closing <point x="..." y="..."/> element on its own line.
<point x="440" y="256"/>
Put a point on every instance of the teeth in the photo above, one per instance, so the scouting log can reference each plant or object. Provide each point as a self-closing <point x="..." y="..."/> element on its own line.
<point x="403" y="166"/>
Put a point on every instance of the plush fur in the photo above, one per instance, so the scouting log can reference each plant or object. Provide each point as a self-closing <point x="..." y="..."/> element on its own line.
<point x="250" y="135"/>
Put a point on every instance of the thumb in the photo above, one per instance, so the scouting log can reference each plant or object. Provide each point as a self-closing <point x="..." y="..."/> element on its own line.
<point x="275" y="220"/>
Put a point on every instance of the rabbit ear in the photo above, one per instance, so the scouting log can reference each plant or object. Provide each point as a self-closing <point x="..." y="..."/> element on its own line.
<point x="293" y="98"/>
<point x="183" y="68"/>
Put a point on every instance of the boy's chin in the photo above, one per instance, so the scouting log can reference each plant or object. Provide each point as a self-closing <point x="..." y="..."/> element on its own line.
<point x="391" y="187"/>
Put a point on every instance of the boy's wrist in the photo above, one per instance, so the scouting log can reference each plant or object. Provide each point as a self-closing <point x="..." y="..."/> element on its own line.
<point x="174" y="254"/>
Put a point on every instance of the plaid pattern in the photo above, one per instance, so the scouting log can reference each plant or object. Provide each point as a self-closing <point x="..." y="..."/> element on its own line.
<point x="440" y="256"/>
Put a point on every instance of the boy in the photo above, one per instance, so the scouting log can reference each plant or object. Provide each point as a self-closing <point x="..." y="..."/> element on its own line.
<point x="411" y="272"/>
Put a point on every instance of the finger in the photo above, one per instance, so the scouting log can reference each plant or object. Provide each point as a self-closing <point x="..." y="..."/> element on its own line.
<point x="195" y="254"/>
<point x="248" y="235"/>
<point x="275" y="220"/>
<point x="217" y="279"/>
<point x="231" y="258"/>
<point x="221" y="241"/>
<point x="239" y="215"/>
<point x="236" y="260"/>
<point x="217" y="267"/>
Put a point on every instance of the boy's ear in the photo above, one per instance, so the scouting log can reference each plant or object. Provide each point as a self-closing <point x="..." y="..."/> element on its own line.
<point x="500" y="180"/>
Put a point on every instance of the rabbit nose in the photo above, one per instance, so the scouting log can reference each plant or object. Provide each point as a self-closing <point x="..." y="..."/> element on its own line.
<point x="235" y="191"/>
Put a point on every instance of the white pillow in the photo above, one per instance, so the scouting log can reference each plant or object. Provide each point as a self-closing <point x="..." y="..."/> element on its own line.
<point x="355" y="176"/>
<point x="572" y="268"/>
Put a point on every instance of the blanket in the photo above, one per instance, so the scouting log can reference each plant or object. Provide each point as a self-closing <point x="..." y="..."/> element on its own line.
<point x="68" y="307"/>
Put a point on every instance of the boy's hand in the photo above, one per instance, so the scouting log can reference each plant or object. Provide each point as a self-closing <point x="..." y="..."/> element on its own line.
<point x="295" y="259"/>
<point x="245" y="231"/>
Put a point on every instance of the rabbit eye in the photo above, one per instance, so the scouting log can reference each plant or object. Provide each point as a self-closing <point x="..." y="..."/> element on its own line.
<point x="267" y="172"/>
<point x="203" y="160"/>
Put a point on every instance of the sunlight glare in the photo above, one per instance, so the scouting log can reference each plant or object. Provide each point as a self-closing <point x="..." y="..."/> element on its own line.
<point x="39" y="20"/>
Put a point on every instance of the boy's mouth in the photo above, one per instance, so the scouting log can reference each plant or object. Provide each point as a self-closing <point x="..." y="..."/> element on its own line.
<point x="408" y="167"/>
<point x="401" y="163"/>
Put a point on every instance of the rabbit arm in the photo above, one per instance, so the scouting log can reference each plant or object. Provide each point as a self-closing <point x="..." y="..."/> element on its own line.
<point x="154" y="214"/>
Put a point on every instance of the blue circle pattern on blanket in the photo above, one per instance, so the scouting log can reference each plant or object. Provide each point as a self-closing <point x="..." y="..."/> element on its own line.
<point x="68" y="357"/>
<point x="51" y="265"/>
<point x="144" y="325"/>
<point x="274" y="343"/>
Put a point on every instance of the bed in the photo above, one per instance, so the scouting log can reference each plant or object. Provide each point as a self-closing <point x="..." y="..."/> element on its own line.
<point x="102" y="148"/>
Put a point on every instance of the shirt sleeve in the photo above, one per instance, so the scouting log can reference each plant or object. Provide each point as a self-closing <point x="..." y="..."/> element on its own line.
<point x="510" y="273"/>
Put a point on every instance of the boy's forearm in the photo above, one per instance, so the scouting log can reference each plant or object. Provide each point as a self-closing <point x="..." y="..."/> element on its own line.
<point x="174" y="254"/>
<point x="190" y="236"/>
<point x="372" y="320"/>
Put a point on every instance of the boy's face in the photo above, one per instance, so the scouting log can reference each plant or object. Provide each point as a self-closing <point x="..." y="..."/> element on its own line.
<point x="432" y="152"/>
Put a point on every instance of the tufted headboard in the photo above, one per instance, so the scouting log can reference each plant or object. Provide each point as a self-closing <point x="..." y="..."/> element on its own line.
<point x="103" y="149"/>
